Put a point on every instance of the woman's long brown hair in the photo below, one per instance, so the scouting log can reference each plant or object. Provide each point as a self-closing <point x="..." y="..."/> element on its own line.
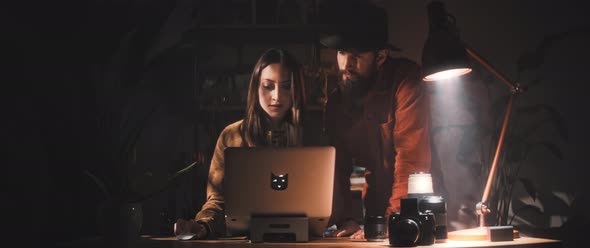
<point x="256" y="121"/>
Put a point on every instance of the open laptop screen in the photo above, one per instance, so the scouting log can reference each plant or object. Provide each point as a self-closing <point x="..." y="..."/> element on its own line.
<point x="295" y="181"/>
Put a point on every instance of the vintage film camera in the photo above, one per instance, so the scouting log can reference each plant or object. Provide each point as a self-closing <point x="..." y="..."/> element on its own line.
<point x="411" y="227"/>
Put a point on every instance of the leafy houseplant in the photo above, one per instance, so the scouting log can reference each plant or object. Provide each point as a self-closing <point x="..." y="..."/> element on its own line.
<point x="523" y="140"/>
<point x="126" y="102"/>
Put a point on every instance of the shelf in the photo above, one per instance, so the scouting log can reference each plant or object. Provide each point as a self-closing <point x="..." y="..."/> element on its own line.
<point x="222" y="108"/>
<point x="264" y="26"/>
<point x="260" y="34"/>
<point x="228" y="70"/>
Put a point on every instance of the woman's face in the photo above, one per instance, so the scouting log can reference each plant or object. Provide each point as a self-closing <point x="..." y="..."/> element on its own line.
<point x="274" y="92"/>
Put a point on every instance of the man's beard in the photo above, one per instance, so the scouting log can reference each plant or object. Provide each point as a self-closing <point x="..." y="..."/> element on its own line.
<point x="357" y="86"/>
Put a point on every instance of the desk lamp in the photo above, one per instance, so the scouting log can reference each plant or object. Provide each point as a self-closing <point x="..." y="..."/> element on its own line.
<point x="445" y="56"/>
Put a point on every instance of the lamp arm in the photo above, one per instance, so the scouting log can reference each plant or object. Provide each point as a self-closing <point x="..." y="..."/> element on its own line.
<point x="481" y="207"/>
<point x="514" y="87"/>
<point x="494" y="167"/>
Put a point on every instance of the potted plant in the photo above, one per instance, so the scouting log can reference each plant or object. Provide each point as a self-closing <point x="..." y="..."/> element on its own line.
<point x="126" y="102"/>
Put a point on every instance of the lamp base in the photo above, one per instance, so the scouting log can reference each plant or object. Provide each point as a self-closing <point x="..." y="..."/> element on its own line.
<point x="486" y="233"/>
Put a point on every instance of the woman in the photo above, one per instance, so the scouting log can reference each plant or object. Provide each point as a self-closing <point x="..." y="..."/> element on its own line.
<point x="273" y="107"/>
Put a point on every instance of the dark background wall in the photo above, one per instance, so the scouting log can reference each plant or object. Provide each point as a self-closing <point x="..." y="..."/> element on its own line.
<point x="60" y="50"/>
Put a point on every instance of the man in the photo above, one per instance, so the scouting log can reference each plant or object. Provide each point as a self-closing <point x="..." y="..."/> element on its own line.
<point x="377" y="116"/>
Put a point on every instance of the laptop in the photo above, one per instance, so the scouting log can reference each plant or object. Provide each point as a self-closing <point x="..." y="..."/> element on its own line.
<point x="279" y="182"/>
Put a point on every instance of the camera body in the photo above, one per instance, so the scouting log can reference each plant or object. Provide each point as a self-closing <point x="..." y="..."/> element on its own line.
<point x="411" y="227"/>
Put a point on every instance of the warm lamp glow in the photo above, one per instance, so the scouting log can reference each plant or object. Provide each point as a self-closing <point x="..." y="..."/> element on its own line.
<point x="447" y="74"/>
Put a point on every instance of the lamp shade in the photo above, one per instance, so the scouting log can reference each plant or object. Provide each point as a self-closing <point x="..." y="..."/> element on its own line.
<point x="443" y="54"/>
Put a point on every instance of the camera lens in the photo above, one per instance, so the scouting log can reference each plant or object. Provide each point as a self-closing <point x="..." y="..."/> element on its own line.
<point x="375" y="228"/>
<point x="407" y="232"/>
<point x="438" y="206"/>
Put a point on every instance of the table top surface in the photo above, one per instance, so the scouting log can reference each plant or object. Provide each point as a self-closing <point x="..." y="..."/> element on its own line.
<point x="147" y="241"/>
<point x="339" y="242"/>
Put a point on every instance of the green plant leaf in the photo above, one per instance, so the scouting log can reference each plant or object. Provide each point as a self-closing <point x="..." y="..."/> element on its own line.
<point x="558" y="121"/>
<point x="532" y="109"/>
<point x="515" y="149"/>
<point x="565" y="198"/>
<point x="554" y="117"/>
<point x="162" y="185"/>
<point x="529" y="187"/>
<point x="533" y="128"/>
<point x="533" y="58"/>
<point x="134" y="134"/>
<point x="535" y="209"/>
<point x="551" y="147"/>
<point x="101" y="186"/>
<point x="554" y="203"/>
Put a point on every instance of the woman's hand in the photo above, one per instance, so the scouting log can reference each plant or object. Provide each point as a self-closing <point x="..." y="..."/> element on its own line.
<point x="360" y="234"/>
<point x="189" y="229"/>
<point x="348" y="228"/>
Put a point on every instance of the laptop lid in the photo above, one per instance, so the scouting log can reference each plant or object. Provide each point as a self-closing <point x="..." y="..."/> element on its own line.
<point x="265" y="181"/>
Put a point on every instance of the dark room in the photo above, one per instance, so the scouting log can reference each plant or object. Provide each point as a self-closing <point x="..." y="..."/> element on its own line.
<point x="246" y="123"/>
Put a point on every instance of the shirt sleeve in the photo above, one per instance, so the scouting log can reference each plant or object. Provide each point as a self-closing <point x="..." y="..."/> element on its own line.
<point x="411" y="137"/>
<point x="212" y="213"/>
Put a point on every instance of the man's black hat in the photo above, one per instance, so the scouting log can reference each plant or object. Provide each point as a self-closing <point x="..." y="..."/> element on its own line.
<point x="355" y="25"/>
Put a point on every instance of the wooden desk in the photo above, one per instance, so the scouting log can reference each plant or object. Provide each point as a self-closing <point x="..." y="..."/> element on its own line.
<point x="165" y="242"/>
<point x="149" y="242"/>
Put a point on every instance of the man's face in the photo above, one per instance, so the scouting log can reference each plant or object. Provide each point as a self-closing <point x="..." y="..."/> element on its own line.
<point x="357" y="70"/>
